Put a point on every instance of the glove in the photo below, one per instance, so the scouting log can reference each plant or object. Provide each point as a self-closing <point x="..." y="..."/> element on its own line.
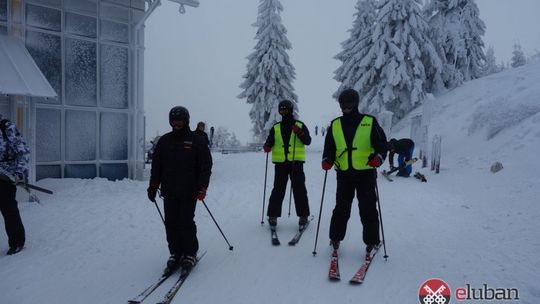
<point x="201" y="194"/>
<point x="374" y="160"/>
<point x="152" y="192"/>
<point x="267" y="149"/>
<point x="296" y="130"/>
<point x="326" y="165"/>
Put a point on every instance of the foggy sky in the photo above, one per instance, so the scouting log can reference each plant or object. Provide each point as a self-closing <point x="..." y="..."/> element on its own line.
<point x="197" y="59"/>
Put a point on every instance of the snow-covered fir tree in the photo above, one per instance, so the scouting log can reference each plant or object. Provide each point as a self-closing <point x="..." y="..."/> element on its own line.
<point x="391" y="76"/>
<point x="356" y="47"/>
<point x="270" y="73"/>
<point x="456" y="30"/>
<point x="491" y="66"/>
<point x="518" y="57"/>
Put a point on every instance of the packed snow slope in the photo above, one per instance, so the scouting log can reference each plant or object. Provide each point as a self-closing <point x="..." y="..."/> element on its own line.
<point x="96" y="241"/>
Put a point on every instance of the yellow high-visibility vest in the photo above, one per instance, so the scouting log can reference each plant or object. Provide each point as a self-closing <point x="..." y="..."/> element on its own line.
<point x="361" y="145"/>
<point x="297" y="150"/>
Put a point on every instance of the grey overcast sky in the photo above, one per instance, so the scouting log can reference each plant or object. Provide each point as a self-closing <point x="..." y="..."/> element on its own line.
<point x="197" y="59"/>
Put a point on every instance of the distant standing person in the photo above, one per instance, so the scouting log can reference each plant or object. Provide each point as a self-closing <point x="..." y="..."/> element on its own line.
<point x="355" y="144"/>
<point x="316" y="130"/>
<point x="404" y="148"/>
<point x="201" y="126"/>
<point x="181" y="165"/>
<point x="287" y="140"/>
<point x="15" y="156"/>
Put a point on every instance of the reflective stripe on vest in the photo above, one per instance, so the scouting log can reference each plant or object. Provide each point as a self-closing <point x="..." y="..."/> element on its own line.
<point x="297" y="151"/>
<point x="361" y="145"/>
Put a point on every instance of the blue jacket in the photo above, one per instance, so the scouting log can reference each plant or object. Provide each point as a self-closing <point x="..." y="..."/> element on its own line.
<point x="14" y="153"/>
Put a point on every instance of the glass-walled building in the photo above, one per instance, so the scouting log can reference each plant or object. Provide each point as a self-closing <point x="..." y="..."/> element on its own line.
<point x="90" y="51"/>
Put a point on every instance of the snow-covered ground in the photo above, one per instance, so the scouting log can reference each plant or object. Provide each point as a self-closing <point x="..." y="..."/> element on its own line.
<point x="96" y="241"/>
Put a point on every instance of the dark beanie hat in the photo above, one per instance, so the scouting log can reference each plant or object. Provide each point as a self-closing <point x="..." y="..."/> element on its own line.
<point x="349" y="96"/>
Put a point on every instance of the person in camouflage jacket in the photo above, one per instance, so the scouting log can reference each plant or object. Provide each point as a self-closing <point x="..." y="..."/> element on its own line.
<point x="14" y="160"/>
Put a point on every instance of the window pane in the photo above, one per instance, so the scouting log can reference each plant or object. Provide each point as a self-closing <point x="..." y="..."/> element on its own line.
<point x="81" y="25"/>
<point x="80" y="135"/>
<point x="80" y="171"/>
<point x="43" y="17"/>
<point x="114" y="77"/>
<point x="114" y="12"/>
<point x="114" y="31"/>
<point x="4" y="110"/>
<point x="3" y="10"/>
<point x="47" y="53"/>
<point x="48" y="171"/>
<point x="113" y="171"/>
<point x="113" y="135"/>
<point x="84" y="6"/>
<point x="81" y="74"/>
<point x="3" y="30"/>
<point x="48" y="122"/>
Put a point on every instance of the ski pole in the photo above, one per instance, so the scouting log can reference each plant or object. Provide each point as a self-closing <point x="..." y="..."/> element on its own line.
<point x="320" y="213"/>
<point x="380" y="217"/>
<point x="159" y="211"/>
<point x="230" y="247"/>
<point x="292" y="172"/>
<point x="264" y="191"/>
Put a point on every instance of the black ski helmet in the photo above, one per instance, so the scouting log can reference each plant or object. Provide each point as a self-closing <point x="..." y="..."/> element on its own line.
<point x="349" y="96"/>
<point x="179" y="113"/>
<point x="286" y="104"/>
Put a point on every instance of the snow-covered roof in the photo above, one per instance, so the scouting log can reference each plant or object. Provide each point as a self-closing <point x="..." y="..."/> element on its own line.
<point x="19" y="74"/>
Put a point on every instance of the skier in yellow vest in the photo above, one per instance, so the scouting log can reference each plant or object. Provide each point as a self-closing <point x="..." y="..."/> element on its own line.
<point x="355" y="145"/>
<point x="287" y="140"/>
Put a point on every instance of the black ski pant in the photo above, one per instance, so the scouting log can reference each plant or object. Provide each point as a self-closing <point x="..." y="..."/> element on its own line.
<point x="180" y="225"/>
<point x="364" y="186"/>
<point x="12" y="217"/>
<point x="298" y="182"/>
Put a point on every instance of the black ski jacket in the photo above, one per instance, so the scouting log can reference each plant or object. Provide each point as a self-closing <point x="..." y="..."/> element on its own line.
<point x="181" y="164"/>
<point x="203" y="135"/>
<point x="349" y="123"/>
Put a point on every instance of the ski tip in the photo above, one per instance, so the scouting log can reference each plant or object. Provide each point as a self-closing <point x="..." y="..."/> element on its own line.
<point x="334" y="279"/>
<point x="292" y="243"/>
<point x="133" y="302"/>
<point x="355" y="282"/>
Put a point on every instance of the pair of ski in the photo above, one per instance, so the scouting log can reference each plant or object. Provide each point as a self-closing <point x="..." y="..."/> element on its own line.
<point x="296" y="237"/>
<point x="386" y="174"/>
<point x="360" y="275"/>
<point x="172" y="291"/>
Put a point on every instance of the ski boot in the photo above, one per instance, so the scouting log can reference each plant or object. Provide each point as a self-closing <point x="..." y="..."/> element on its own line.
<point x="302" y="221"/>
<point x="188" y="262"/>
<point x="172" y="264"/>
